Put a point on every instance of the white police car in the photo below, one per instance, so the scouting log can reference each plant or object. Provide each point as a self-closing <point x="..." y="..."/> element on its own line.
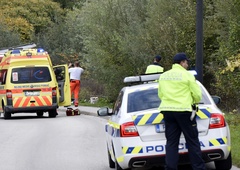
<point x="135" y="130"/>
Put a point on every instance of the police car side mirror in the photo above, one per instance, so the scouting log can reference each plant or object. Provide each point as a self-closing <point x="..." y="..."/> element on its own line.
<point x="104" y="111"/>
<point x="216" y="99"/>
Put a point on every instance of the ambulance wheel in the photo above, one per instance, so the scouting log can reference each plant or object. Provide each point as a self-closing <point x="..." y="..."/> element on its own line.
<point x="110" y="161"/>
<point x="52" y="113"/>
<point x="224" y="164"/>
<point x="39" y="113"/>
<point x="6" y="115"/>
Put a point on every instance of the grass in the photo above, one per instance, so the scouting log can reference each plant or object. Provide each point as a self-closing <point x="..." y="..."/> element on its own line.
<point x="100" y="103"/>
<point x="233" y="120"/>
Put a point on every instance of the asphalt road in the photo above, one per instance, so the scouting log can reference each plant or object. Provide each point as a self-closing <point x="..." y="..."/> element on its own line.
<point x="61" y="143"/>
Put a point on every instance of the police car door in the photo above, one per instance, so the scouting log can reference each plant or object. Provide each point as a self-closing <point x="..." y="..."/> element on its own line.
<point x="62" y="77"/>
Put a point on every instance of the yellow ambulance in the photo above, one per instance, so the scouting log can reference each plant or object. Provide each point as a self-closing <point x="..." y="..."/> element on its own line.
<point x="30" y="84"/>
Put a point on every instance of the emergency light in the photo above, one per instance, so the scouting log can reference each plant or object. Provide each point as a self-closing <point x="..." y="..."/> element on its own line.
<point x="40" y="50"/>
<point x="142" y="78"/>
<point x="15" y="52"/>
<point x="148" y="77"/>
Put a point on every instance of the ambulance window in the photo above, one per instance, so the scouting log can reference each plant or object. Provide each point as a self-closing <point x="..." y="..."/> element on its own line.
<point x="3" y="74"/>
<point x="60" y="73"/>
<point x="30" y="75"/>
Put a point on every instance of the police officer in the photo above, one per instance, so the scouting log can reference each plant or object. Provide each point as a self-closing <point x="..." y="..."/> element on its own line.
<point x="178" y="91"/>
<point x="155" y="67"/>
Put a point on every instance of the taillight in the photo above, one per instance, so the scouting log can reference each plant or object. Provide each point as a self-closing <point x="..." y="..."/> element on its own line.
<point x="128" y="130"/>
<point x="9" y="93"/>
<point x="54" y="91"/>
<point x="217" y="121"/>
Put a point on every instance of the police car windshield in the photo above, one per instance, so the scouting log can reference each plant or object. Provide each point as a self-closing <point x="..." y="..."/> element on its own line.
<point x="143" y="100"/>
<point x="30" y="75"/>
<point x="148" y="99"/>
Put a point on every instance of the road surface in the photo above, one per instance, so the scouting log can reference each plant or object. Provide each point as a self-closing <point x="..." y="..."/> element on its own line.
<point x="61" y="143"/>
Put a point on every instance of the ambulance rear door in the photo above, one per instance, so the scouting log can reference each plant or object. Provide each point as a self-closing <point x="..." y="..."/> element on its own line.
<point x="62" y="77"/>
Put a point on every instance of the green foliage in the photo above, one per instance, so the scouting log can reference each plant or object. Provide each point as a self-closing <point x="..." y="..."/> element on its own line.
<point x="122" y="37"/>
<point x="102" y="102"/>
<point x="225" y="62"/>
<point x="117" y="38"/>
<point x="29" y="17"/>
<point x="7" y="37"/>
<point x="233" y="119"/>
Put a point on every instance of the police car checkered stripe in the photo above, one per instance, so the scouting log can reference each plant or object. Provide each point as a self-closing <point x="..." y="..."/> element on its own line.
<point x="203" y="114"/>
<point x="112" y="129"/>
<point x="150" y="118"/>
<point x="156" y="118"/>
<point x="132" y="150"/>
<point x="120" y="159"/>
<point x="218" y="142"/>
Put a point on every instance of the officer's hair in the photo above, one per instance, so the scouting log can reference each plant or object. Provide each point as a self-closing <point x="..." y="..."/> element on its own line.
<point x="176" y="62"/>
<point x="76" y="63"/>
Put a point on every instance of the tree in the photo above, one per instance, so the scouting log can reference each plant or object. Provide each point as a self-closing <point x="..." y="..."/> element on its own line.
<point x="7" y="37"/>
<point x="29" y="17"/>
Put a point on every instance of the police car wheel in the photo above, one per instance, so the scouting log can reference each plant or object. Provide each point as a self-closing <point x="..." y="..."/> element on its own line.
<point x="110" y="161"/>
<point x="117" y="167"/>
<point x="224" y="164"/>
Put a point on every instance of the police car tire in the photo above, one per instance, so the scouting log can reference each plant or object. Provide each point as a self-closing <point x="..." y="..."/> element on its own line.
<point x="111" y="162"/>
<point x="224" y="164"/>
<point x="117" y="167"/>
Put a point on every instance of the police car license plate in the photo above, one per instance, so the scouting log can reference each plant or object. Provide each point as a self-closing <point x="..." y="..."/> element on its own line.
<point x="160" y="128"/>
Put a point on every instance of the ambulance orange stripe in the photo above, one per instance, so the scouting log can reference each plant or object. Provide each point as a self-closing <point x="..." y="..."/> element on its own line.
<point x="46" y="89"/>
<point x="17" y="91"/>
<point x="3" y="91"/>
<point x="26" y="101"/>
<point x="32" y="105"/>
<point x="47" y="101"/>
<point x="25" y="57"/>
<point x="17" y="103"/>
<point x="38" y="101"/>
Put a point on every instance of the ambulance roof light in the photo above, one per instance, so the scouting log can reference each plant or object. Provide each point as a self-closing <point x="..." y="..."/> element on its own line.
<point x="15" y="51"/>
<point x="40" y="50"/>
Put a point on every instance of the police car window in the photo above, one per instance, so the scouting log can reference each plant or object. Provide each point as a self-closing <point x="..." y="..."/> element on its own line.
<point x="205" y="99"/>
<point x="30" y="75"/>
<point x="118" y="103"/>
<point x="143" y="100"/>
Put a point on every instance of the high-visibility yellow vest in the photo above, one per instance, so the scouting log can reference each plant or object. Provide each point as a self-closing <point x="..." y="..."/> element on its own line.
<point x="154" y="69"/>
<point x="178" y="90"/>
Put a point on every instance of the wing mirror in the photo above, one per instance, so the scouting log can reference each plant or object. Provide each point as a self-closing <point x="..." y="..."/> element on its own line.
<point x="216" y="99"/>
<point x="104" y="111"/>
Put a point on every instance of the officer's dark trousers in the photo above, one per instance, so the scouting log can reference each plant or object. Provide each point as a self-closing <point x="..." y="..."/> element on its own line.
<point x="175" y="123"/>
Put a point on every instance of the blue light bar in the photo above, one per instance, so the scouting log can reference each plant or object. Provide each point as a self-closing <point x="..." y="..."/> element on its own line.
<point x="15" y="52"/>
<point x="40" y="50"/>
